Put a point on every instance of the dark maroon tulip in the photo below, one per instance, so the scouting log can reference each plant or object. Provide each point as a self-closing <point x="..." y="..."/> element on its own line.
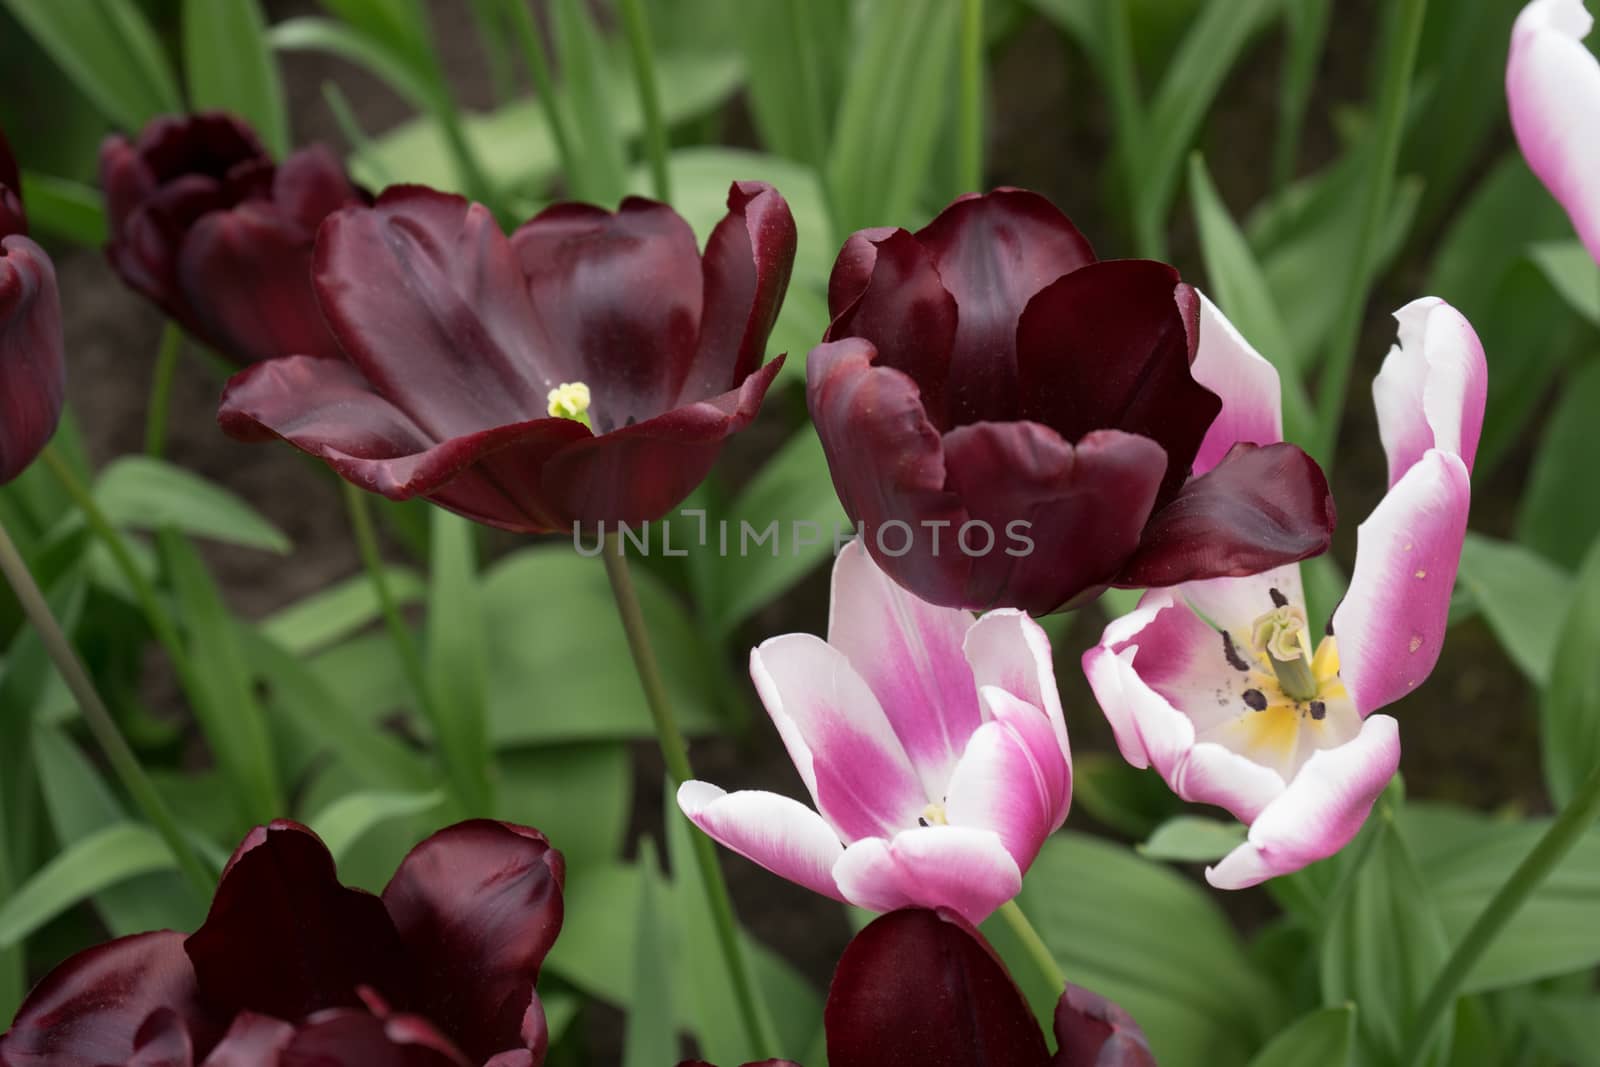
<point x="32" y="360"/>
<point x="1091" y="1031"/>
<point x="458" y="338"/>
<point x="204" y="224"/>
<point x="988" y="370"/>
<point x="12" y="218"/>
<point x="293" y="969"/>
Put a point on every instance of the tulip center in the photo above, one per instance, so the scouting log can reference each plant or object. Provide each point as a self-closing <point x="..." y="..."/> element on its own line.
<point x="933" y="815"/>
<point x="1280" y="635"/>
<point x="570" y="400"/>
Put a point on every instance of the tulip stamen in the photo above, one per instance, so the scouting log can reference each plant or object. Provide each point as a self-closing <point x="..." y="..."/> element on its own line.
<point x="1280" y="635"/>
<point x="570" y="400"/>
<point x="933" y="815"/>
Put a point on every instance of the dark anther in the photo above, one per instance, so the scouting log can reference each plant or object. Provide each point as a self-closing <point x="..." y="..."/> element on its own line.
<point x="1256" y="699"/>
<point x="1318" y="710"/>
<point x="1278" y="599"/>
<point x="1232" y="654"/>
<point x="921" y="821"/>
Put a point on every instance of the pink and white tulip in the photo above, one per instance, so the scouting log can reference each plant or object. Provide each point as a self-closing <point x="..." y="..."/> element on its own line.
<point x="1217" y="685"/>
<point x="1553" y="88"/>
<point x="932" y="744"/>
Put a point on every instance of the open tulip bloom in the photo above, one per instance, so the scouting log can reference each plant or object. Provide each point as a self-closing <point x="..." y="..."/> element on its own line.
<point x="32" y="356"/>
<point x="932" y="744"/>
<point x="1218" y="684"/>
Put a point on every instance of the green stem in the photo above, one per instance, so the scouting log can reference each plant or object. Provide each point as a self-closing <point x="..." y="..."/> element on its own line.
<point x="644" y="77"/>
<point x="970" y="123"/>
<point x="98" y="718"/>
<point x="155" y="419"/>
<point x="1038" y="951"/>
<point x="1568" y="829"/>
<point x="544" y="86"/>
<point x="1393" y="96"/>
<point x="676" y="754"/>
<point x="1122" y="79"/>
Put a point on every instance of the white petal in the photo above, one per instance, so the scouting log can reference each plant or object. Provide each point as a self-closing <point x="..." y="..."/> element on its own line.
<point x="1252" y="396"/>
<point x="966" y="870"/>
<point x="781" y="834"/>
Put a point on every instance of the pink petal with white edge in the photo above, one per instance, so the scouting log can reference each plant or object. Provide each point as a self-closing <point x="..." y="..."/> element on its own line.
<point x="1012" y="779"/>
<point x="1320" y="812"/>
<point x="1252" y="396"/>
<point x="1125" y="699"/>
<point x="779" y="833"/>
<point x="1432" y="388"/>
<point x="1390" y="626"/>
<point x="909" y="652"/>
<point x="1553" y="88"/>
<point x="837" y="735"/>
<point x="968" y="871"/>
<point x="1006" y="648"/>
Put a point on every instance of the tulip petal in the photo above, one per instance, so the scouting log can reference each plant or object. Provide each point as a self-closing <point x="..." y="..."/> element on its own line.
<point x="909" y="652"/>
<point x="1062" y="518"/>
<point x="1091" y="1031"/>
<point x="1432" y="388"/>
<point x="1320" y="812"/>
<point x="1259" y="508"/>
<point x="617" y="298"/>
<point x="1391" y="624"/>
<point x="310" y="941"/>
<point x="12" y="217"/>
<point x="1108" y="347"/>
<point x="162" y="1041"/>
<point x="1008" y="649"/>
<point x="993" y="252"/>
<point x="746" y="268"/>
<point x="252" y="1041"/>
<point x="919" y="989"/>
<point x="1012" y="779"/>
<point x="343" y="1037"/>
<point x="1553" y="89"/>
<point x="311" y="185"/>
<point x="32" y="362"/>
<point x="1248" y="385"/>
<point x="144" y="249"/>
<point x="961" y="868"/>
<point x="90" y="1009"/>
<point x="841" y="742"/>
<point x="478" y="906"/>
<point x="777" y="832"/>
<point x="1234" y="604"/>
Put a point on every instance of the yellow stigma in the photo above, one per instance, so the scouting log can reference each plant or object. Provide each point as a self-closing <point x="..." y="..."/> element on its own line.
<point x="1281" y="635"/>
<point x="570" y="400"/>
<point x="933" y="815"/>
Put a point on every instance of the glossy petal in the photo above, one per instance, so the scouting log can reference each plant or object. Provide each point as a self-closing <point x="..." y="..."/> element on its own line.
<point x="1009" y="650"/>
<point x="478" y="906"/>
<point x="1320" y="812"/>
<point x="252" y="1041"/>
<point x="1012" y="779"/>
<point x="909" y="652"/>
<point x="1257" y="509"/>
<point x="966" y="870"/>
<point x="1432" y="388"/>
<point x="841" y="742"/>
<point x="1091" y="1031"/>
<point x="1391" y="624"/>
<point x="919" y="989"/>
<point x="993" y="252"/>
<point x="89" y="1010"/>
<point x="349" y="1038"/>
<point x="780" y="834"/>
<point x="12" y="217"/>
<point x="284" y="938"/>
<point x="1247" y="385"/>
<point x="32" y="362"/>
<point x="1553" y="88"/>
<point x="311" y="185"/>
<point x="1108" y="347"/>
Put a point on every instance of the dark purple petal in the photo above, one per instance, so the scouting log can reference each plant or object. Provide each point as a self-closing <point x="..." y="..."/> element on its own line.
<point x="746" y="268"/>
<point x="284" y="938"/>
<point x="1108" y="347"/>
<point x="144" y="250"/>
<point x="311" y="185"/>
<point x="478" y="906"/>
<point x="903" y="310"/>
<point x="642" y="471"/>
<point x="212" y="143"/>
<point x="617" y="298"/>
<point x="1091" y="1031"/>
<point x="162" y="1041"/>
<point x="425" y="296"/>
<point x="1259" y="508"/>
<point x="1082" y="507"/>
<point x="90" y="1009"/>
<point x="993" y="253"/>
<point x="12" y="218"/>
<point x="342" y="1037"/>
<point x="761" y="1063"/>
<point x="920" y="989"/>
<point x="32" y="363"/>
<point x="251" y="1041"/>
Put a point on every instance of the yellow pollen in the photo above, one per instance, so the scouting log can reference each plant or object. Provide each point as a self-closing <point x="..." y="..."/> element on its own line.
<point x="1422" y="574"/>
<point x="570" y="400"/>
<point x="933" y="815"/>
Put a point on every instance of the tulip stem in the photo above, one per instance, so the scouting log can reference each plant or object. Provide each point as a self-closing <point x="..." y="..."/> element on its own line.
<point x="1038" y="951"/>
<point x="676" y="754"/>
<point x="1567" y="830"/>
<point x="970" y="136"/>
<point x="155" y="420"/>
<point x="644" y="76"/>
<point x="98" y="717"/>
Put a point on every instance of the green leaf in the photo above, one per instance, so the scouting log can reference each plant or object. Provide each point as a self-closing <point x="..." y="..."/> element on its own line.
<point x="792" y="52"/>
<point x="1567" y="1026"/>
<point x="600" y="162"/>
<point x="146" y="493"/>
<point x="347" y="820"/>
<point x="84" y="868"/>
<point x="329" y="615"/>
<point x="1523" y="597"/>
<point x="401" y="26"/>
<point x="60" y="207"/>
<point x="579" y="795"/>
<point x="1572" y="272"/>
<point x="109" y="52"/>
<point x="1193" y="839"/>
<point x="230" y="67"/>
<point x="651" y="1036"/>
<point x="1130" y="800"/>
<point x="454" y="656"/>
<point x="1571" y="707"/>
<point x="1560" y="513"/>
<point x="1321" y="1039"/>
<point x="395" y="69"/>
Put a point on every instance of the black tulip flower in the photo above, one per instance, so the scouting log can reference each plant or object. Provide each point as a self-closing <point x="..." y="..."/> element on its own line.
<point x="32" y="359"/>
